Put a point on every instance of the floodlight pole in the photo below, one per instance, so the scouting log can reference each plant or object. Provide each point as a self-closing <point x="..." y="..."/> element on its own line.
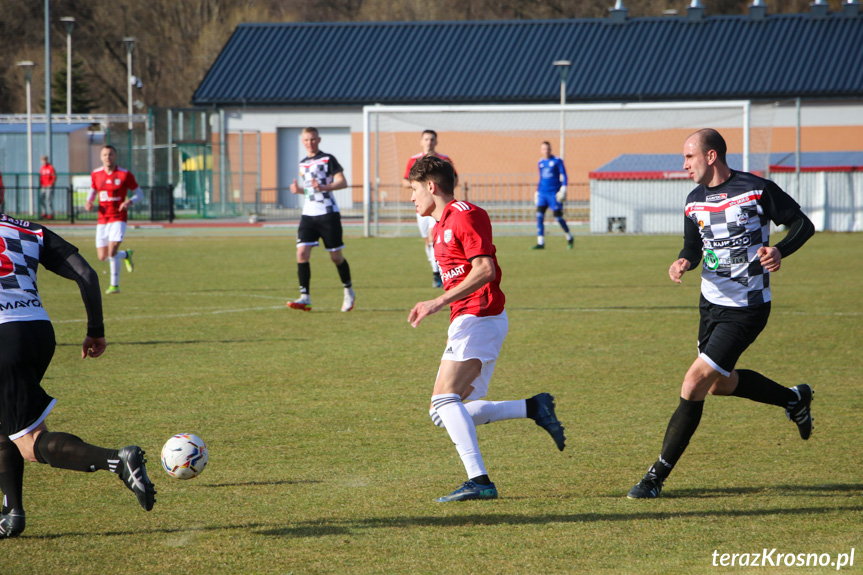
<point x="27" y="66"/>
<point x="70" y="23"/>
<point x="130" y="45"/>
<point x="48" y="136"/>
<point x="563" y="67"/>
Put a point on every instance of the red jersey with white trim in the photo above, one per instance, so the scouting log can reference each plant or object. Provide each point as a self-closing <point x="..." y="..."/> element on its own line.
<point x="413" y="160"/>
<point x="111" y="191"/>
<point x="462" y="234"/>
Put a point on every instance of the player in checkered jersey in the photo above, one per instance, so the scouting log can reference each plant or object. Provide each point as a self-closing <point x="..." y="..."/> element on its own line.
<point x="116" y="190"/>
<point x="727" y="219"/>
<point x="26" y="348"/>
<point x="478" y="326"/>
<point x="322" y="175"/>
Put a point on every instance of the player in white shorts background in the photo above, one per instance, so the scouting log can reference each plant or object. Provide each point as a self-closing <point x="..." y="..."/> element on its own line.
<point x="478" y="326"/>
<point x="428" y="141"/>
<point x="112" y="186"/>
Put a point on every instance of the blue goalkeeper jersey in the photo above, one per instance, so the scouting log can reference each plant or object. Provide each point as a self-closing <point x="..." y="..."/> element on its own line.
<point x="552" y="175"/>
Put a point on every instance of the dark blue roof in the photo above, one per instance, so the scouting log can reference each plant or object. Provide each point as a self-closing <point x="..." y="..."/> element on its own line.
<point x="664" y="58"/>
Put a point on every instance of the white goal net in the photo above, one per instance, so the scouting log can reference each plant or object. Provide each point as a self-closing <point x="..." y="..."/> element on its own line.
<point x="495" y="150"/>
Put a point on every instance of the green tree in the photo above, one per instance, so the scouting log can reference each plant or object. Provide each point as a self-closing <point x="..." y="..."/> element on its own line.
<point x="81" y="103"/>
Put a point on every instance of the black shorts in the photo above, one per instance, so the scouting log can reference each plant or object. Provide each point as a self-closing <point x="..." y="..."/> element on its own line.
<point x="725" y="332"/>
<point x="26" y="349"/>
<point x="327" y="227"/>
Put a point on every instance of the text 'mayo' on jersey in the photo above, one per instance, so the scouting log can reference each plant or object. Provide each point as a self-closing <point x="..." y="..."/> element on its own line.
<point x="733" y="220"/>
<point x="23" y="245"/>
<point x="323" y="168"/>
<point x="464" y="233"/>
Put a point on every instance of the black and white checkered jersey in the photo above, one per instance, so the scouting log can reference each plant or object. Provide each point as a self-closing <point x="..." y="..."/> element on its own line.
<point x="23" y="246"/>
<point x="323" y="168"/>
<point x="729" y="223"/>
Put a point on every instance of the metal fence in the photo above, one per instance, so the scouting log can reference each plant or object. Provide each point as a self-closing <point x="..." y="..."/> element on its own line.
<point x="67" y="204"/>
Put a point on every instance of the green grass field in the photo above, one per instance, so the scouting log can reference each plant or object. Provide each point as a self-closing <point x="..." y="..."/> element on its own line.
<point x="323" y="458"/>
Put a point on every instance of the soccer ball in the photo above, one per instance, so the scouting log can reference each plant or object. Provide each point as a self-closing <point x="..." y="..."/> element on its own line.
<point x="184" y="456"/>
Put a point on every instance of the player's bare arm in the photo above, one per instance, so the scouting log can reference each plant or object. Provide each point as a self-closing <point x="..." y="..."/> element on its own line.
<point x="677" y="269"/>
<point x="339" y="183"/>
<point x="482" y="272"/>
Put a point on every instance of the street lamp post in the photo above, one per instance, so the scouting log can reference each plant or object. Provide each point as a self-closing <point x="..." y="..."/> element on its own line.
<point x="27" y="66"/>
<point x="563" y="67"/>
<point x="49" y="140"/>
<point x="130" y="45"/>
<point x="70" y="23"/>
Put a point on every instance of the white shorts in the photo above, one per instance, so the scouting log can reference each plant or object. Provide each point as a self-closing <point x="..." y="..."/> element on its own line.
<point x="426" y="224"/>
<point x="472" y="337"/>
<point x="110" y="232"/>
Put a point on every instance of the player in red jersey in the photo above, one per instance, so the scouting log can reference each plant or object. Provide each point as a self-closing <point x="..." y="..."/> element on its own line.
<point x="425" y="223"/>
<point x="113" y="185"/>
<point x="47" y="177"/>
<point x="478" y="325"/>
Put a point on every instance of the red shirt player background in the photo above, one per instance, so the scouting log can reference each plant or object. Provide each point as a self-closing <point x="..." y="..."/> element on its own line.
<point x="478" y="326"/>
<point x="47" y="178"/>
<point x="112" y="185"/>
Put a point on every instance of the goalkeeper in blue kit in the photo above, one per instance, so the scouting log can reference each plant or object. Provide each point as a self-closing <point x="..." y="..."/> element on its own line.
<point x="550" y="193"/>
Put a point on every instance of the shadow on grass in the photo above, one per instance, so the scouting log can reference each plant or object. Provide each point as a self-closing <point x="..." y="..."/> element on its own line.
<point x="256" y="483"/>
<point x="115" y="343"/>
<point x="780" y="490"/>
<point x="350" y="526"/>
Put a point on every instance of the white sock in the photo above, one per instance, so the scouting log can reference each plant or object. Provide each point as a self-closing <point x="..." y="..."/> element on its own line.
<point x="122" y="254"/>
<point x="483" y="412"/>
<point x="115" y="270"/>
<point x="540" y="240"/>
<point x="461" y="430"/>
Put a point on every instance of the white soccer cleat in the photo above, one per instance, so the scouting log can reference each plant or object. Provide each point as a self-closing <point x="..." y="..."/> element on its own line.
<point x="348" y="303"/>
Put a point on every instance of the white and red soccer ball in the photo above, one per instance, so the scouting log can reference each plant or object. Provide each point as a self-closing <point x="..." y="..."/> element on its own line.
<point x="184" y="456"/>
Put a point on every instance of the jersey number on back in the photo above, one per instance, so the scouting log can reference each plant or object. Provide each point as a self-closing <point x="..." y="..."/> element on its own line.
<point x="6" y="265"/>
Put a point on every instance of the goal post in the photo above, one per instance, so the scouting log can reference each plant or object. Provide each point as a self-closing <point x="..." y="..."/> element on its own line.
<point x="495" y="150"/>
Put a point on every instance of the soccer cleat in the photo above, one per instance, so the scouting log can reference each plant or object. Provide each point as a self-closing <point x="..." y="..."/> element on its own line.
<point x="547" y="419"/>
<point x="302" y="304"/>
<point x="437" y="282"/>
<point x="133" y="473"/>
<point x="348" y="302"/>
<point x="799" y="412"/>
<point x="569" y="243"/>
<point x="128" y="261"/>
<point x="648" y="488"/>
<point x="12" y="523"/>
<point x="538" y="247"/>
<point x="470" y="490"/>
<point x="112" y="289"/>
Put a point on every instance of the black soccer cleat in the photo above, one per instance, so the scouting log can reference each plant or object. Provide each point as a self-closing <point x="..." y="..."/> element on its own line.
<point x="546" y="418"/>
<point x="133" y="473"/>
<point x="470" y="490"/>
<point x="648" y="488"/>
<point x="12" y="523"/>
<point x="800" y="411"/>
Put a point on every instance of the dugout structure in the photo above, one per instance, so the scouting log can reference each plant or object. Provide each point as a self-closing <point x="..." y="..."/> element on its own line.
<point x="645" y="193"/>
<point x="495" y="149"/>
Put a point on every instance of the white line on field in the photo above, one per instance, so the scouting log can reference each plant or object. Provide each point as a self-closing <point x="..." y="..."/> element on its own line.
<point x="516" y="309"/>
